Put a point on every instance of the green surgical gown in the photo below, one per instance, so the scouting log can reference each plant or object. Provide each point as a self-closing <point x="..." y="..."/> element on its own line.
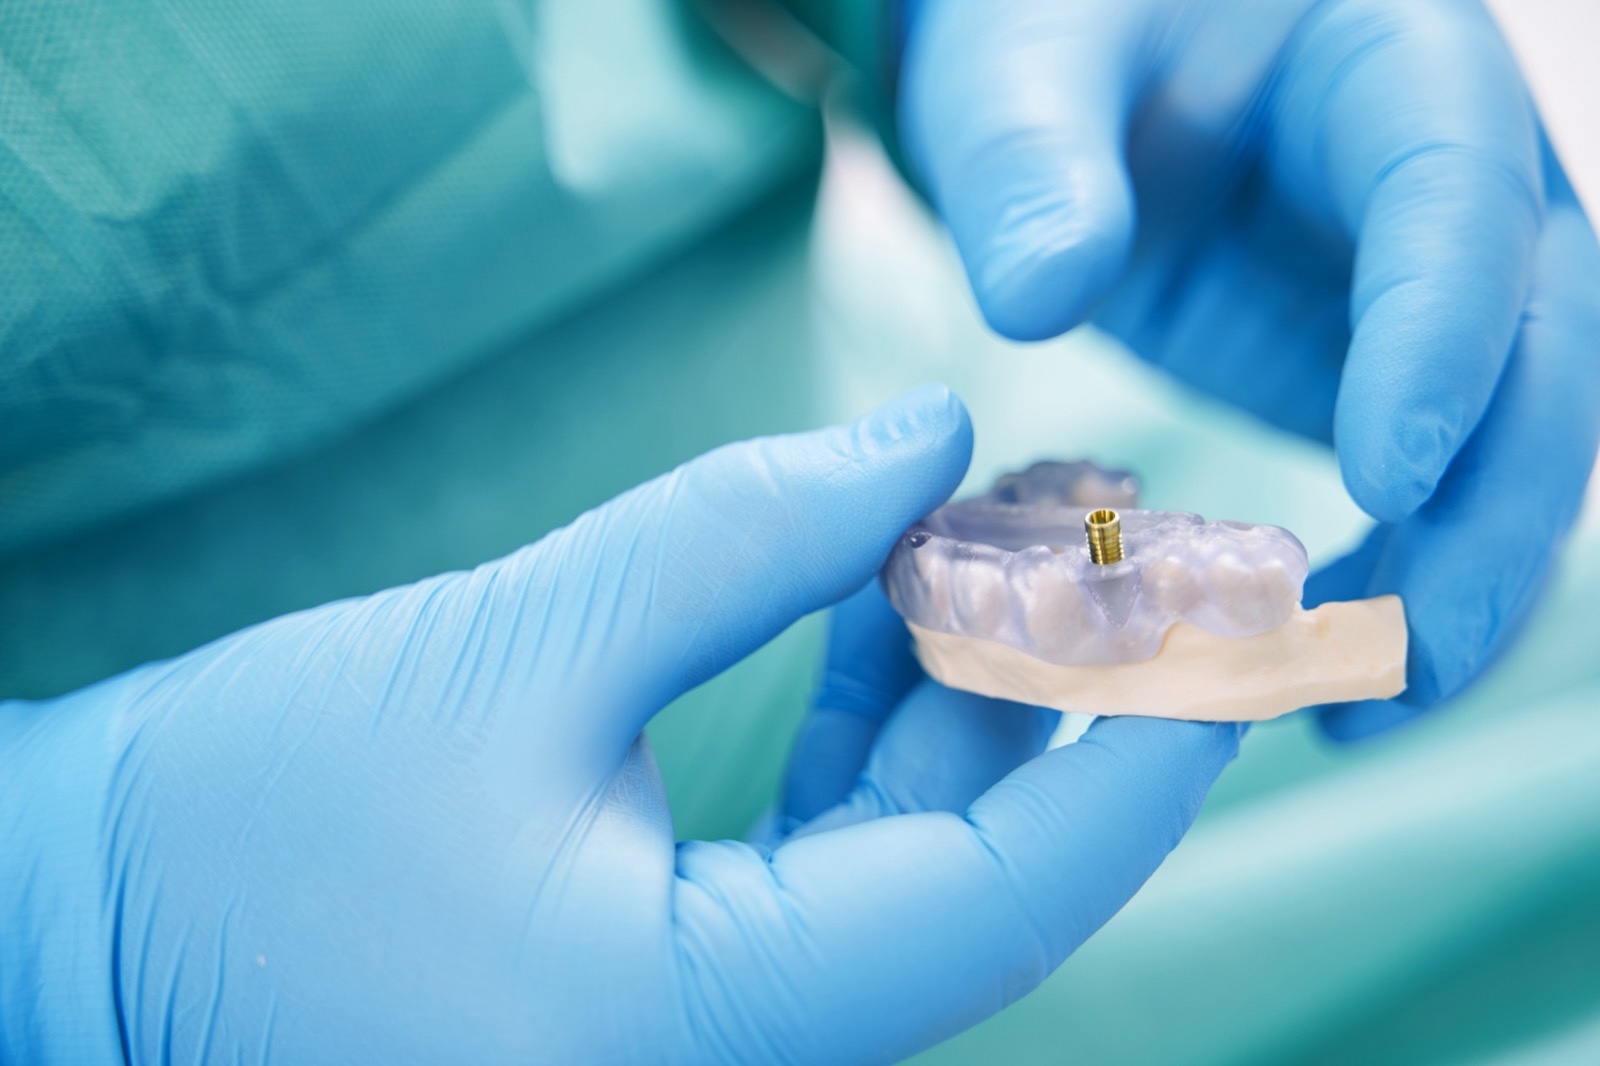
<point x="301" y="299"/>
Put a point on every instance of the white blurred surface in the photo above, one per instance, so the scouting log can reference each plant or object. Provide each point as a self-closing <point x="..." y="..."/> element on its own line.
<point x="1558" y="42"/>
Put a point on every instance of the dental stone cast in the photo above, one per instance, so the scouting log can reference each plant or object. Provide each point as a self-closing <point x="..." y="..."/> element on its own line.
<point x="1197" y="620"/>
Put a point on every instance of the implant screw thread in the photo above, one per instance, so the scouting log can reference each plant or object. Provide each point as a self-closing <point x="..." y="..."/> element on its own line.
<point x="1104" y="529"/>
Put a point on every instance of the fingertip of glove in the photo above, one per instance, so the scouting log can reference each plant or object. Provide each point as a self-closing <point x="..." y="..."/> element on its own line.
<point x="926" y="415"/>
<point x="1032" y="287"/>
<point x="1388" y="491"/>
<point x="1392" y="472"/>
<point x="906" y="456"/>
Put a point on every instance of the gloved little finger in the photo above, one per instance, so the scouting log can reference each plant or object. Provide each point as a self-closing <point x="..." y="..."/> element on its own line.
<point x="869" y="670"/>
<point x="940" y="751"/>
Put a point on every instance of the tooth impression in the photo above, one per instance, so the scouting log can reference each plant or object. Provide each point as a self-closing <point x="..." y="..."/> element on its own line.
<point x="1199" y="620"/>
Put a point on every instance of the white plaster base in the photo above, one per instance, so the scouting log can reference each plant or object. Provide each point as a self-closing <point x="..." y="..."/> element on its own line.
<point x="1354" y="650"/>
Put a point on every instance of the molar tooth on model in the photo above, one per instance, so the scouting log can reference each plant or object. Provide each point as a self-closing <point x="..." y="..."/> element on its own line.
<point x="1172" y="586"/>
<point x="1054" y="607"/>
<point x="1052" y="588"/>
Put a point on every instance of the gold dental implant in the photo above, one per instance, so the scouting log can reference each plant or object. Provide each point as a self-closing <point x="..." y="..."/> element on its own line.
<point x="1104" y="529"/>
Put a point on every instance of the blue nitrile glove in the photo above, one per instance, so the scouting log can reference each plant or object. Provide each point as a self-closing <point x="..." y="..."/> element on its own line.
<point x="1341" y="215"/>
<point x="423" y="826"/>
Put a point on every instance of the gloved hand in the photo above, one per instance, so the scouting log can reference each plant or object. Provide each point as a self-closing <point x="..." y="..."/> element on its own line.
<point x="423" y="825"/>
<point x="1342" y="216"/>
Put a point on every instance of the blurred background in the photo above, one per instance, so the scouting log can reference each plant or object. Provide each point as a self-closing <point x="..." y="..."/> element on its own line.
<point x="428" y="295"/>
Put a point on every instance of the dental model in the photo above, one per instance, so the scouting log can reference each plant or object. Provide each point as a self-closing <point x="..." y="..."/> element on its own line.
<point x="1051" y="589"/>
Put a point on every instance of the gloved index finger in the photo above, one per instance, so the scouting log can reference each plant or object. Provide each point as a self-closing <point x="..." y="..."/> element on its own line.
<point x="1015" y="117"/>
<point x="887" y="936"/>
<point x="1411" y="126"/>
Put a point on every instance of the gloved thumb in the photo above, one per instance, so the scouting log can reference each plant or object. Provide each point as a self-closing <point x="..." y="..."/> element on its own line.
<point x="673" y="582"/>
<point x="1014" y="115"/>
